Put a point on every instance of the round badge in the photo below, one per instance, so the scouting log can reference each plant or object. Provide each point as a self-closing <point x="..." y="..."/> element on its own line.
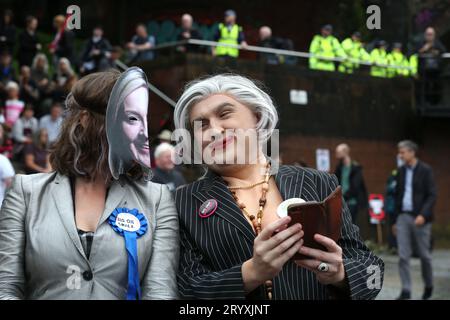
<point x="128" y="222"/>
<point x="208" y="208"/>
<point x="282" y="210"/>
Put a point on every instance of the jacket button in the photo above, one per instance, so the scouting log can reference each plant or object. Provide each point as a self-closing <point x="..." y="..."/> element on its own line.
<point x="87" y="275"/>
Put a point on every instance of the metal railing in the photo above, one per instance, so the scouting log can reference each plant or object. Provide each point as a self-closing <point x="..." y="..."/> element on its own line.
<point x="290" y="53"/>
<point x="283" y="52"/>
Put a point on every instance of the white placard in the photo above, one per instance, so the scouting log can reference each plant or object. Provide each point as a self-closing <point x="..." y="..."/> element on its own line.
<point x="298" y="97"/>
<point x="323" y="159"/>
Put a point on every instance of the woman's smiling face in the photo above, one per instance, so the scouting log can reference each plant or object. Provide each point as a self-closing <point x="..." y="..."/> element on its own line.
<point x="134" y="125"/>
<point x="222" y="127"/>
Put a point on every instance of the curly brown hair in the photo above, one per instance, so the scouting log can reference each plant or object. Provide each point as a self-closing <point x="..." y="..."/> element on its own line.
<point x="81" y="149"/>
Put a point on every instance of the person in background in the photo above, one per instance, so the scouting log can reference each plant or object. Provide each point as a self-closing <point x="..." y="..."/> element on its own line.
<point x="114" y="57"/>
<point x="6" y="176"/>
<point x="29" y="91"/>
<point x="268" y="41"/>
<point x="165" y="171"/>
<point x="41" y="77"/>
<point x="13" y="106"/>
<point x="24" y="129"/>
<point x="325" y="45"/>
<point x="36" y="156"/>
<point x="416" y="197"/>
<point x="96" y="53"/>
<point x="390" y="205"/>
<point x="396" y="58"/>
<point x="28" y="42"/>
<point x="140" y="46"/>
<point x="378" y="57"/>
<point x="6" y="144"/>
<point x="7" y="33"/>
<point x="52" y="122"/>
<point x="428" y="61"/>
<point x="7" y="72"/>
<point x="62" y="45"/>
<point x="165" y="137"/>
<point x="229" y="32"/>
<point x="354" y="49"/>
<point x="65" y="78"/>
<point x="350" y="176"/>
<point x="188" y="32"/>
<point x="39" y="72"/>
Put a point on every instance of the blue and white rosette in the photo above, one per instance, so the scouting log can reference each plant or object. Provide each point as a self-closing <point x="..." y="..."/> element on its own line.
<point x="130" y="224"/>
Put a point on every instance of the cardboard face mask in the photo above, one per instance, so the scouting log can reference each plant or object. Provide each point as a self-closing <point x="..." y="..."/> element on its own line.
<point x="126" y="123"/>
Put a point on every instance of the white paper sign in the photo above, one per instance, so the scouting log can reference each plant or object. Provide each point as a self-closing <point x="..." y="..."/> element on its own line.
<point x="323" y="160"/>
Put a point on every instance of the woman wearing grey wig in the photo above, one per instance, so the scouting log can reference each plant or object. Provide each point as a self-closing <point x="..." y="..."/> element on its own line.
<point x="234" y="245"/>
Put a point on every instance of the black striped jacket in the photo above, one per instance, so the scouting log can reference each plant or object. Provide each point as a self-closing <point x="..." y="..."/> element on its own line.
<point x="214" y="248"/>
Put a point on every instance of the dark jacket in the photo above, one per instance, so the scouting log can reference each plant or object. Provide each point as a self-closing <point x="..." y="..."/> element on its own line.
<point x="65" y="46"/>
<point x="213" y="249"/>
<point x="424" y="190"/>
<point x="27" y="48"/>
<point x="102" y="45"/>
<point x="357" y="188"/>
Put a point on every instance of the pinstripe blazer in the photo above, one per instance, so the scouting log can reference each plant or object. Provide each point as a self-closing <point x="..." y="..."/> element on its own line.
<point x="213" y="249"/>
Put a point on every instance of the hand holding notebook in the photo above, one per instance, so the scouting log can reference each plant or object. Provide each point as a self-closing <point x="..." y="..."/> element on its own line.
<point x="322" y="218"/>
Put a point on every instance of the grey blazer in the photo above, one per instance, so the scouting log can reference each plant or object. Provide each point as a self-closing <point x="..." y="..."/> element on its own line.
<point x="41" y="255"/>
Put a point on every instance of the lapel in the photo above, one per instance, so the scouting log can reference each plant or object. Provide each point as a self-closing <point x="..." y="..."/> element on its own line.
<point x="66" y="210"/>
<point x="114" y="198"/>
<point x="288" y="181"/>
<point x="214" y="187"/>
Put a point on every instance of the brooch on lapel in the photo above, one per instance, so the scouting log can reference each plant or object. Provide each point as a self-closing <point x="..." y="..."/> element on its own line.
<point x="208" y="208"/>
<point x="130" y="224"/>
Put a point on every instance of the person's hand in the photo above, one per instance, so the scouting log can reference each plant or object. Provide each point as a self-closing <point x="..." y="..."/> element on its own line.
<point x="38" y="47"/>
<point x="332" y="257"/>
<point x="394" y="230"/>
<point x="271" y="252"/>
<point x="420" y="220"/>
<point x="186" y="35"/>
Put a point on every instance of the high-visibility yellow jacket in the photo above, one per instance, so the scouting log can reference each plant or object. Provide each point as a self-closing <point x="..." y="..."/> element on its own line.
<point x="378" y="56"/>
<point x="328" y="47"/>
<point x="354" y="50"/>
<point x="228" y="36"/>
<point x="397" y="59"/>
<point x="414" y="64"/>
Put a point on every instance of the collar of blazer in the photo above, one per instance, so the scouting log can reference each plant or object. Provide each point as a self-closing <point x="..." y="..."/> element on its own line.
<point x="61" y="190"/>
<point x="288" y="179"/>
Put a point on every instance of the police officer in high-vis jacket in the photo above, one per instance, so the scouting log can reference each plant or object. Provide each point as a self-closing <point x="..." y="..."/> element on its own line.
<point x="354" y="49"/>
<point x="323" y="47"/>
<point x="229" y="32"/>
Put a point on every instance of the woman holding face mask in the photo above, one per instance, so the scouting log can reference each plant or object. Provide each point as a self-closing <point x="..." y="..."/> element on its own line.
<point x="233" y="244"/>
<point x="92" y="229"/>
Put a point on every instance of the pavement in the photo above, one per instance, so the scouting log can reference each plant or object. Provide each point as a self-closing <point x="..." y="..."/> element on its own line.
<point x="441" y="274"/>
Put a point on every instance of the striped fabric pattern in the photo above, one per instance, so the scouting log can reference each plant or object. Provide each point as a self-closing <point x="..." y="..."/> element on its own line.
<point x="213" y="249"/>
